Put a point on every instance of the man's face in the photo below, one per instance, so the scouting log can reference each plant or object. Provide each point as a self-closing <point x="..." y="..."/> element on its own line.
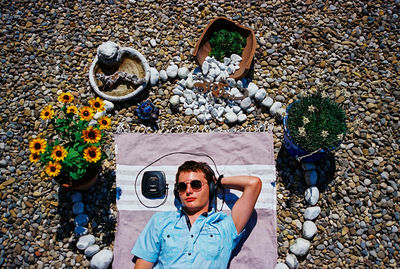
<point x="194" y="201"/>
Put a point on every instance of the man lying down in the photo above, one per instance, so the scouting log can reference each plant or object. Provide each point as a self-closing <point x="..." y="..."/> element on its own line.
<point x="195" y="236"/>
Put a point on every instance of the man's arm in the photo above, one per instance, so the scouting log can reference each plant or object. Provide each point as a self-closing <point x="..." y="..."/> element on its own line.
<point x="244" y="206"/>
<point x="143" y="264"/>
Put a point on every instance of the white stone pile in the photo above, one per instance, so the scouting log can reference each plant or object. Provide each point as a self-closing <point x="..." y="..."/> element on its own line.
<point x="301" y="246"/>
<point x="86" y="242"/>
<point x="203" y="105"/>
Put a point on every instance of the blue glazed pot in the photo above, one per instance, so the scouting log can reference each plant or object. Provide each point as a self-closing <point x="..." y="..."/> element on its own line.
<point x="295" y="150"/>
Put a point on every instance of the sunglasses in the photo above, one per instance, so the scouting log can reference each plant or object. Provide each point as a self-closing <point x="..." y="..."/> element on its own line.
<point x="196" y="185"/>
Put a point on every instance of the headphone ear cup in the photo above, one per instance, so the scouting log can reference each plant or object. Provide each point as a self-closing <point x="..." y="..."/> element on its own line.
<point x="213" y="190"/>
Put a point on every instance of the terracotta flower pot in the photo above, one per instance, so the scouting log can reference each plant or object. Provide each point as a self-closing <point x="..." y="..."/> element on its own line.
<point x="203" y="47"/>
<point x="82" y="184"/>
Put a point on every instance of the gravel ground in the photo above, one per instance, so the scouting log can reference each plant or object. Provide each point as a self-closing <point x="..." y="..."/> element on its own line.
<point x="350" y="48"/>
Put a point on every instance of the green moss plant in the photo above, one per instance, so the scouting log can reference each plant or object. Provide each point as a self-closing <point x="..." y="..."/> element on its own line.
<point x="224" y="43"/>
<point x="315" y="122"/>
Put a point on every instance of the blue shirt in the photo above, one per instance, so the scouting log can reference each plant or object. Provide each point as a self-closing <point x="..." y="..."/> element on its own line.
<point x="168" y="242"/>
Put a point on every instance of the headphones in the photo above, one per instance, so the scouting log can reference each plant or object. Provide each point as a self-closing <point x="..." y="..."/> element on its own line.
<point x="212" y="187"/>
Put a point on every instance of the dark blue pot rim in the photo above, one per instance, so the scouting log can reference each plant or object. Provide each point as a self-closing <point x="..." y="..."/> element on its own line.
<point x="286" y="130"/>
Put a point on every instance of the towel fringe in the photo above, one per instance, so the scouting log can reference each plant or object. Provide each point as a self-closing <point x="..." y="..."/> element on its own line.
<point x="123" y="127"/>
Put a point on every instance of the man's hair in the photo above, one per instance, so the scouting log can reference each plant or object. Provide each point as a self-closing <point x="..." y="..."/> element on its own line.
<point x="193" y="166"/>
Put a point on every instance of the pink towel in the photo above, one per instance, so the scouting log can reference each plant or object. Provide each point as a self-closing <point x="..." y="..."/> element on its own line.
<point x="233" y="153"/>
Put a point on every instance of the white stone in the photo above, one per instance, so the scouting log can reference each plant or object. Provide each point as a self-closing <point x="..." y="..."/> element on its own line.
<point x="292" y="262"/>
<point x="109" y="53"/>
<point x="312" y="212"/>
<point x="78" y="208"/>
<point x="235" y="92"/>
<point x="236" y="109"/>
<point x="172" y="71"/>
<point x="274" y="108"/>
<point x="242" y="118"/>
<point x="239" y="84"/>
<point x="260" y="95"/>
<point x="99" y="114"/>
<point x="188" y="111"/>
<point x="102" y="259"/>
<point x="154" y="76"/>
<point x="201" y="118"/>
<point x="109" y="106"/>
<point x="76" y="197"/>
<point x="177" y="91"/>
<point x="208" y="116"/>
<point x="281" y="266"/>
<point x="252" y="89"/>
<point x="280" y="113"/>
<point x="174" y="100"/>
<point x="202" y="100"/>
<point x="309" y="229"/>
<point x="163" y="75"/>
<point x="231" y="82"/>
<point x="245" y="103"/>
<point x="300" y="247"/>
<point x="177" y="59"/>
<point x="311" y="177"/>
<point x="205" y="67"/>
<point x="214" y="113"/>
<point x="153" y="43"/>
<point x="231" y="117"/>
<point x="183" y="72"/>
<point x="308" y="166"/>
<point x="250" y="109"/>
<point x="311" y="195"/>
<point x="91" y="251"/>
<point x="298" y="224"/>
<point x="267" y="102"/>
<point x="189" y="82"/>
<point x="235" y="58"/>
<point x="85" y="241"/>
<point x="227" y="61"/>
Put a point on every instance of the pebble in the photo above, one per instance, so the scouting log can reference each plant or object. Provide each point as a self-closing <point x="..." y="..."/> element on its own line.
<point x="85" y="241"/>
<point x="312" y="213"/>
<point x="309" y="229"/>
<point x="172" y="71"/>
<point x="300" y="247"/>
<point x="292" y="262"/>
<point x="311" y="195"/>
<point x="90" y="251"/>
<point x="163" y="75"/>
<point x="102" y="259"/>
<point x="154" y="76"/>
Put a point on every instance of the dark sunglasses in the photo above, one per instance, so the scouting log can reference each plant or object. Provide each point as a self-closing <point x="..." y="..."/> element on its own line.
<point x="194" y="184"/>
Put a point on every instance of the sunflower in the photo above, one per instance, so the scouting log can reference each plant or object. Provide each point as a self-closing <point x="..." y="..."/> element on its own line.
<point x="92" y="154"/>
<point x="91" y="135"/>
<point x="97" y="104"/>
<point x="47" y="113"/>
<point x="65" y="98"/>
<point x="53" y="169"/>
<point x="72" y="110"/>
<point x="38" y="145"/>
<point x="34" y="157"/>
<point x="86" y="113"/>
<point x="59" y="153"/>
<point x="105" y="123"/>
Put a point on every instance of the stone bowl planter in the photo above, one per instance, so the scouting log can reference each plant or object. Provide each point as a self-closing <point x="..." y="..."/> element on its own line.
<point x="203" y="47"/>
<point x="132" y="62"/>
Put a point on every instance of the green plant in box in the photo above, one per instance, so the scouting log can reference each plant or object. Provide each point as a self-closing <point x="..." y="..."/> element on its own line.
<point x="315" y="122"/>
<point x="224" y="43"/>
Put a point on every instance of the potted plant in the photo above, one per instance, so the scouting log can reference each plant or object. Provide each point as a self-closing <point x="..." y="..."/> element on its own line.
<point x="207" y="42"/>
<point x="70" y="148"/>
<point x="313" y="126"/>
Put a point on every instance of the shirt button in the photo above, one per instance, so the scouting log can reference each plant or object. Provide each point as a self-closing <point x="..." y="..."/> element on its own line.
<point x="211" y="235"/>
<point x="191" y="235"/>
<point x="189" y="253"/>
<point x="168" y="236"/>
